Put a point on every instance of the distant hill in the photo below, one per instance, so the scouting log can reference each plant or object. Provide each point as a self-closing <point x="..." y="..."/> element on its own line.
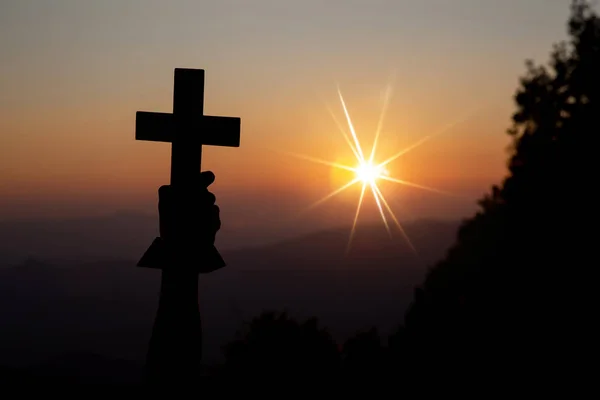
<point x="107" y="307"/>
<point x="75" y="368"/>
<point x="122" y="235"/>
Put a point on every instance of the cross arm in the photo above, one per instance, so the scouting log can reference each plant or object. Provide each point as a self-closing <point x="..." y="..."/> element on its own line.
<point x="213" y="130"/>
<point x="154" y="126"/>
<point x="221" y="131"/>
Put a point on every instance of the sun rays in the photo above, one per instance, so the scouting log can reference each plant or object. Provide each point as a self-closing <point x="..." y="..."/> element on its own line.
<point x="367" y="172"/>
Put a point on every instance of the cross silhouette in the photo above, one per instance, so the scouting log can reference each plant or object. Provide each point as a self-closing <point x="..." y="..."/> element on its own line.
<point x="187" y="129"/>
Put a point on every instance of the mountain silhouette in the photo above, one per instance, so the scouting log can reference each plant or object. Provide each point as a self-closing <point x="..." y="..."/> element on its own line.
<point x="107" y="307"/>
<point x="126" y="233"/>
<point x="75" y="368"/>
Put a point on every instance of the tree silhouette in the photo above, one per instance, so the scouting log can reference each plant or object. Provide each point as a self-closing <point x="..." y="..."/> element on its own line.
<point x="510" y="290"/>
<point x="364" y="355"/>
<point x="275" y="344"/>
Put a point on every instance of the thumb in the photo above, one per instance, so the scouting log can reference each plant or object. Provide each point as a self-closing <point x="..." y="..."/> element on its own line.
<point x="206" y="178"/>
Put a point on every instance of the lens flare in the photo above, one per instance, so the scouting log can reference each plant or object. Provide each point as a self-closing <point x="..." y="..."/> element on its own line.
<point x="367" y="172"/>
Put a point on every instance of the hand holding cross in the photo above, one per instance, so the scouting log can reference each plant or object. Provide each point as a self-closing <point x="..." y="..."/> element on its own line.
<point x="188" y="129"/>
<point x="188" y="224"/>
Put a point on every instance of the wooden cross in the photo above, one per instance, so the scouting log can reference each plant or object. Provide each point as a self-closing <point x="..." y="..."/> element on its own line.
<point x="187" y="129"/>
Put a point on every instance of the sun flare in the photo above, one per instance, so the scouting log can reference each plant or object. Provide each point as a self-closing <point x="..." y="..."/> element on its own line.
<point x="367" y="172"/>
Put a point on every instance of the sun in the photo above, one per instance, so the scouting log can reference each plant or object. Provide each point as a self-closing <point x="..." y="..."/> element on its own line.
<point x="368" y="173"/>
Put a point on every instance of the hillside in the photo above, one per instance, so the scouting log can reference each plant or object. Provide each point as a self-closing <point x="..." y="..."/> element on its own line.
<point x="107" y="308"/>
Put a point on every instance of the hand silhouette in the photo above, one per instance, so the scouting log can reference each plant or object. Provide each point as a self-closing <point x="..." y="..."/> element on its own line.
<point x="199" y="222"/>
<point x="189" y="221"/>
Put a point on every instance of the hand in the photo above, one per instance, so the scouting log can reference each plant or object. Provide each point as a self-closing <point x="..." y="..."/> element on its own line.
<point x="189" y="216"/>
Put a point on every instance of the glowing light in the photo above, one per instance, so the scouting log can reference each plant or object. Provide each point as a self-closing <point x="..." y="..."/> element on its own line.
<point x="368" y="172"/>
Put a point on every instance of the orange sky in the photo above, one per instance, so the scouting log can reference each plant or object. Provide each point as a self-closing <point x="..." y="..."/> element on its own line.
<point x="74" y="74"/>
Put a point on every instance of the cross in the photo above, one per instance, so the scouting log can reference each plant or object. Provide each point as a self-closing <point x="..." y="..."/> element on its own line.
<point x="187" y="129"/>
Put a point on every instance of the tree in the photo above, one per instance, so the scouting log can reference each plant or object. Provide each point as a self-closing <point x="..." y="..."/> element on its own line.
<point x="273" y="344"/>
<point x="510" y="289"/>
<point x="363" y="355"/>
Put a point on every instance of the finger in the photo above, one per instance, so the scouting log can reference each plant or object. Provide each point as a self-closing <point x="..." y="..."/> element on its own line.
<point x="205" y="199"/>
<point x="214" y="215"/>
<point x="206" y="178"/>
<point x="164" y="192"/>
<point x="210" y="198"/>
<point x="216" y="219"/>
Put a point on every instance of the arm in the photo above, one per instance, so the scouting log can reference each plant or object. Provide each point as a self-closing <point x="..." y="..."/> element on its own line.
<point x="175" y="348"/>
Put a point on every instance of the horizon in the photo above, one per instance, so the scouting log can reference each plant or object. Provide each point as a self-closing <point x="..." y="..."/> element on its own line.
<point x="78" y="157"/>
<point x="82" y="240"/>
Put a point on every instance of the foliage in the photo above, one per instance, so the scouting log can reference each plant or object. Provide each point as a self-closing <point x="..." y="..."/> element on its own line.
<point x="508" y="295"/>
<point x="275" y="344"/>
<point x="518" y="264"/>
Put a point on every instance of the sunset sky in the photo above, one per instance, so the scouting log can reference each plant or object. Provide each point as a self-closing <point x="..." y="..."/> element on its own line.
<point x="75" y="72"/>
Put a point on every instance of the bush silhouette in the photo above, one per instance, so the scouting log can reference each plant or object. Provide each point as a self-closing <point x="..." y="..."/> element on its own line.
<point x="275" y="344"/>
